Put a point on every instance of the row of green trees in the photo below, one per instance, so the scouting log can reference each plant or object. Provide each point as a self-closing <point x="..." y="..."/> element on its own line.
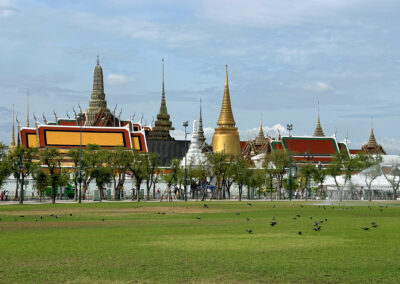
<point x="92" y="164"/>
<point x="342" y="167"/>
<point x="112" y="166"/>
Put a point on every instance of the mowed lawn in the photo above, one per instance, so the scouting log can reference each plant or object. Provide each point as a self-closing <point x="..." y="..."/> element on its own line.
<point x="188" y="243"/>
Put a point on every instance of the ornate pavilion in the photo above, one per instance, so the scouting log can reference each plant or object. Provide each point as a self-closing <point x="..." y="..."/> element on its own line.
<point x="316" y="149"/>
<point x="97" y="125"/>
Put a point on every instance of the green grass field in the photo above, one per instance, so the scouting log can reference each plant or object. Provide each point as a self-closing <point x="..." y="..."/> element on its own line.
<point x="187" y="243"/>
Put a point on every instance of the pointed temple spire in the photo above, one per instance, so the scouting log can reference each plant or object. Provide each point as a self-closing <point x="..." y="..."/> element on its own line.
<point x="163" y="107"/>
<point x="200" y="131"/>
<point x="260" y="138"/>
<point x="27" y="108"/>
<point x="163" y="125"/>
<point x="372" y="141"/>
<point x="97" y="103"/>
<point x="13" y="129"/>
<point x="226" y="136"/>
<point x="318" y="130"/>
<point x="226" y="116"/>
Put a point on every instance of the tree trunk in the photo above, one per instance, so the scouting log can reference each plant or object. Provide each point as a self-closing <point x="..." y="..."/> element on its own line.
<point x="307" y="190"/>
<point x="278" y="189"/>
<point x="53" y="192"/>
<point x="228" y="190"/>
<point x="320" y="191"/>
<point x="21" y="188"/>
<point x="18" y="182"/>
<point x="240" y="192"/>
<point x="117" y="194"/>
<point x="154" y="190"/>
<point x="248" y="193"/>
<point x="138" y="183"/>
<point x="76" y="190"/>
<point x="148" y="188"/>
<point x="84" y="187"/>
<point x="271" y="193"/>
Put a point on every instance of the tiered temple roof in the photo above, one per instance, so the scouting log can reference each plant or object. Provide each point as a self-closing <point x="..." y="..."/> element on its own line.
<point x="318" y="130"/>
<point x="163" y="125"/>
<point x="372" y="147"/>
<point x="310" y="149"/>
<point x="97" y="109"/>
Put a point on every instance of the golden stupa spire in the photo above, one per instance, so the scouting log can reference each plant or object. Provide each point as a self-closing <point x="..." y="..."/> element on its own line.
<point x="226" y="136"/>
<point x="226" y="116"/>
<point x="318" y="130"/>
<point x="13" y="129"/>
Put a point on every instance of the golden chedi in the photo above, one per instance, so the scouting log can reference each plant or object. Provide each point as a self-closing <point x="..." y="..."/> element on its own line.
<point x="226" y="135"/>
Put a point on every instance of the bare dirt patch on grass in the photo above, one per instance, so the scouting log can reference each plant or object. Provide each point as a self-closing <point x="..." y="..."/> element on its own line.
<point x="112" y="211"/>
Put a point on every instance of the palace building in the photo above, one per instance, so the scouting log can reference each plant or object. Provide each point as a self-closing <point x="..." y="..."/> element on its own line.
<point x="316" y="149"/>
<point x="97" y="125"/>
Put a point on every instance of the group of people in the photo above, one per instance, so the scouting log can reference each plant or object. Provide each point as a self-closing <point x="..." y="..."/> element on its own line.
<point x="4" y="195"/>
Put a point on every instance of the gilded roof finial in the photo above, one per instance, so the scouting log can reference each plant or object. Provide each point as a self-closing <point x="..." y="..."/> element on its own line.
<point x="260" y="138"/>
<point x="13" y="129"/>
<point x="226" y="76"/>
<point x="372" y="141"/>
<point x="318" y="130"/>
<point x="226" y="116"/>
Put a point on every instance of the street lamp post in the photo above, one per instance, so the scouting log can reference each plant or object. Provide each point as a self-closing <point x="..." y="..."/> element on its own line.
<point x="185" y="125"/>
<point x="320" y="169"/>
<point x="20" y="169"/>
<point x="80" y="118"/>
<point x="289" y="127"/>
<point x="308" y="157"/>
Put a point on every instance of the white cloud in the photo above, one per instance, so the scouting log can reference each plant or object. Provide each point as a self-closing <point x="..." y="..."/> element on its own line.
<point x="317" y="87"/>
<point x="262" y="13"/>
<point x="245" y="134"/>
<point x="7" y="8"/>
<point x="272" y="131"/>
<point x="390" y="145"/>
<point x="117" y="79"/>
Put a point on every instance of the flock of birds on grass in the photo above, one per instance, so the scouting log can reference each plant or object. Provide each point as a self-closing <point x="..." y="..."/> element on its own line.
<point x="316" y="226"/>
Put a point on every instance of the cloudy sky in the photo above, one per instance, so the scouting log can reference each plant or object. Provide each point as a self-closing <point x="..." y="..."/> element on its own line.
<point x="283" y="56"/>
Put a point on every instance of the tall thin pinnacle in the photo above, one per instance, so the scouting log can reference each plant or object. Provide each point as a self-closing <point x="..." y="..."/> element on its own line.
<point x="163" y="107"/>
<point x="200" y="130"/>
<point x="27" y="108"/>
<point x="13" y="129"/>
<point x="163" y="90"/>
<point x="226" y="116"/>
